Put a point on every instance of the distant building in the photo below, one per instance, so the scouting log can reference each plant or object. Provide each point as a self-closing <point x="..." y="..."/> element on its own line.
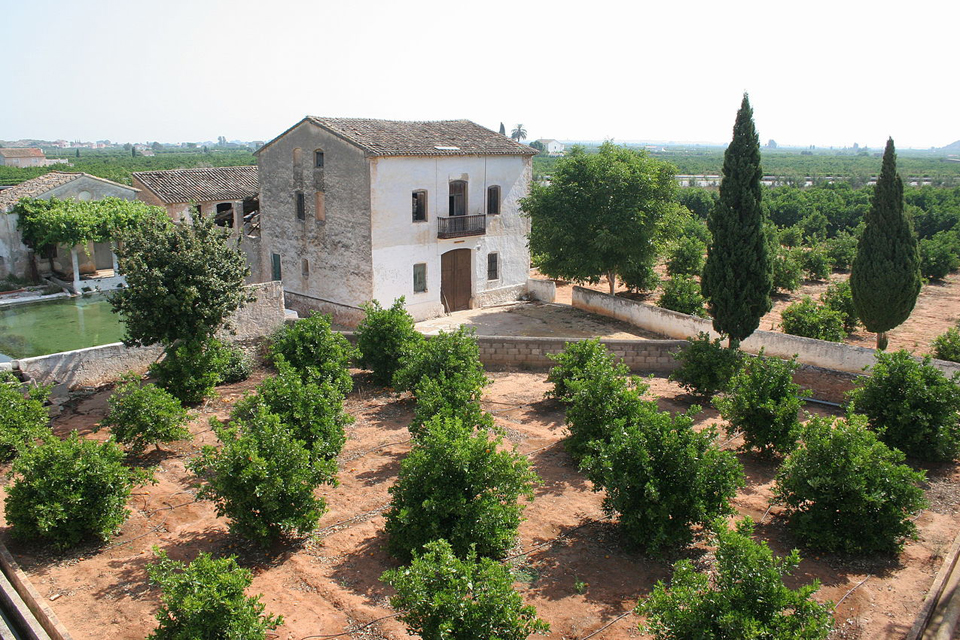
<point x="22" y="157"/>
<point x="551" y="147"/>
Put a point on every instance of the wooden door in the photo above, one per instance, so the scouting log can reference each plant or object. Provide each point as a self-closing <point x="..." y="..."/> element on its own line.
<point x="455" y="280"/>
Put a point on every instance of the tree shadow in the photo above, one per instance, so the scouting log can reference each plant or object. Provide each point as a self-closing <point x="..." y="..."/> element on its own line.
<point x="557" y="470"/>
<point x="359" y="571"/>
<point x="387" y="470"/>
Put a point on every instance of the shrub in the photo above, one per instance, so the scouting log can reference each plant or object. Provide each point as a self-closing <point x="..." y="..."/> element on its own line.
<point x="205" y="600"/>
<point x="235" y="366"/>
<point x="639" y="277"/>
<point x="449" y="397"/>
<point x="911" y="406"/>
<point x="846" y="492"/>
<point x="144" y="415"/>
<point x="706" y="367"/>
<point x="841" y="250"/>
<point x="190" y="370"/>
<point x="946" y="346"/>
<point x="838" y="298"/>
<point x="682" y="294"/>
<point x="786" y="270"/>
<point x="454" y="354"/>
<point x="791" y="236"/>
<point x="384" y="336"/>
<point x="457" y="485"/>
<point x="312" y="411"/>
<point x="810" y="320"/>
<point x="68" y="490"/>
<point x="441" y="596"/>
<point x="744" y="597"/>
<point x="23" y="418"/>
<point x="262" y="478"/>
<point x="686" y="257"/>
<point x="603" y="400"/>
<point x="572" y="363"/>
<point x="816" y="263"/>
<point x="662" y="477"/>
<point x="311" y="347"/>
<point x="938" y="256"/>
<point x="763" y="404"/>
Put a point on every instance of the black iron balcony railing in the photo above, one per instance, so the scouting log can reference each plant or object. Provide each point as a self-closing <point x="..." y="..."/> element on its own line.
<point x="460" y="226"/>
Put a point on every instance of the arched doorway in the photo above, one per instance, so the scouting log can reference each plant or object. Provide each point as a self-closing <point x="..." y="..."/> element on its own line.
<point x="455" y="280"/>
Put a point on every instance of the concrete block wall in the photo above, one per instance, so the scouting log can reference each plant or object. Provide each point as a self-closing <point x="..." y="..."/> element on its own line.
<point x="531" y="353"/>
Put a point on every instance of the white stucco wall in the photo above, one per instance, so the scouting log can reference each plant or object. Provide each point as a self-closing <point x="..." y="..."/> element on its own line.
<point x="398" y="243"/>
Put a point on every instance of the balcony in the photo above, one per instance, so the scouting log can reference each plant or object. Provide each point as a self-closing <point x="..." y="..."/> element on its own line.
<point x="461" y="226"/>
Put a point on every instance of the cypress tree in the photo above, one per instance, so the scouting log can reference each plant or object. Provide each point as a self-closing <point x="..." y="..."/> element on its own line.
<point x="885" y="277"/>
<point x="737" y="277"/>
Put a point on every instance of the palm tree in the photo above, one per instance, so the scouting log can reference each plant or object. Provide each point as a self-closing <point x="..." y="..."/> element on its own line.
<point x="519" y="133"/>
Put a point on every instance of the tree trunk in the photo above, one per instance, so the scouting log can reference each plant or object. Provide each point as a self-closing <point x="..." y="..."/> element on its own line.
<point x="732" y="343"/>
<point x="881" y="341"/>
<point x="612" y="280"/>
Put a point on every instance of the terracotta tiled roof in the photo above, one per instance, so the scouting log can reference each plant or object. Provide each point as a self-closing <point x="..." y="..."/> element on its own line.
<point x="201" y="185"/>
<point x="21" y="153"/>
<point x="35" y="187"/>
<point x="439" y="138"/>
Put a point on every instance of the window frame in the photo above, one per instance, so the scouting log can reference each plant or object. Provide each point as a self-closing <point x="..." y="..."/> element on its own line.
<point x="495" y="257"/>
<point x="424" y="203"/>
<point x="300" y="204"/>
<point x="423" y="266"/>
<point x="452" y="198"/>
<point x="318" y="159"/>
<point x="493" y="200"/>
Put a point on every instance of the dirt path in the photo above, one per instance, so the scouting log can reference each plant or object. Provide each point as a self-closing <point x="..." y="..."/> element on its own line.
<point x="571" y="562"/>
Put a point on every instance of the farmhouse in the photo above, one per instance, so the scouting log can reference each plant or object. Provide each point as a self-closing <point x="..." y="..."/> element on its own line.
<point x="22" y="157"/>
<point x="228" y="193"/>
<point x="354" y="210"/>
<point x="94" y="261"/>
<point x="551" y="147"/>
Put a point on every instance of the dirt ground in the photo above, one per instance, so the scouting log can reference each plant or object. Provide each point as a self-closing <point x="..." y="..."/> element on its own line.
<point x="937" y="309"/>
<point x="571" y="563"/>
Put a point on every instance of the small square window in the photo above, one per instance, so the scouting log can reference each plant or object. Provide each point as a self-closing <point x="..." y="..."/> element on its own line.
<point x="419" y="206"/>
<point x="301" y="206"/>
<point x="493" y="266"/>
<point x="420" y="277"/>
<point x="318" y="159"/>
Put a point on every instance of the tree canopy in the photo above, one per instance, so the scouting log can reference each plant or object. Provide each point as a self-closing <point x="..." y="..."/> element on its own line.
<point x="183" y="281"/>
<point x="602" y="214"/>
<point x="885" y="278"/>
<point x="71" y="222"/>
<point x="737" y="277"/>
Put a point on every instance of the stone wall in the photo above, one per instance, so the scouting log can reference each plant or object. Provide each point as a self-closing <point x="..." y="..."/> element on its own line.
<point x="819" y="353"/>
<point x="531" y="353"/>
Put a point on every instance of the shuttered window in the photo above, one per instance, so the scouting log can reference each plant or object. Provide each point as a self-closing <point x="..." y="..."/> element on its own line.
<point x="420" y="277"/>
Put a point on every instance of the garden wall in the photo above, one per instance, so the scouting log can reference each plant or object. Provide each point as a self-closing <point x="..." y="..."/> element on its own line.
<point x="819" y="353"/>
<point x="96" y="366"/>
<point x="531" y="353"/>
<point x="542" y="290"/>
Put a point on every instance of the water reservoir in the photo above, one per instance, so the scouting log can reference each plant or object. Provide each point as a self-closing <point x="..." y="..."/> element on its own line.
<point x="51" y="326"/>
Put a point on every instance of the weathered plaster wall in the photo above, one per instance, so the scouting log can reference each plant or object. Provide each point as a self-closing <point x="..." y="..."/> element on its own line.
<point x="14" y="255"/>
<point x="88" y="188"/>
<point x="339" y="273"/>
<point x="542" y="290"/>
<point x="819" y="353"/>
<point x="398" y="243"/>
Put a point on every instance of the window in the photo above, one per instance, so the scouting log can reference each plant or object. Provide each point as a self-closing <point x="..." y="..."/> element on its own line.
<point x="493" y="266"/>
<point x="420" y="206"/>
<point x="420" y="277"/>
<point x="458" y="198"/>
<point x="318" y="159"/>
<point x="305" y="268"/>
<point x="277" y="274"/>
<point x="301" y="206"/>
<point x="493" y="200"/>
<point x="320" y="213"/>
<point x="297" y="156"/>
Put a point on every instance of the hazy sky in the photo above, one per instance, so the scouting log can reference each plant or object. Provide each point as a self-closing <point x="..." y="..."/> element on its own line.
<point x="824" y="73"/>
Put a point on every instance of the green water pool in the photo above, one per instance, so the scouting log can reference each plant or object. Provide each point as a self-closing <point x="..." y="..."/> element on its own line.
<point x="51" y="326"/>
